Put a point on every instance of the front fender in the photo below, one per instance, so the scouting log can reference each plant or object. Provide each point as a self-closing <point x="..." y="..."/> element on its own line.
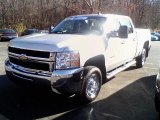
<point x="91" y="50"/>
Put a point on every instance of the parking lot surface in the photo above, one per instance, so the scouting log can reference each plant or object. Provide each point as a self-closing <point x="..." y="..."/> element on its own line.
<point x="128" y="96"/>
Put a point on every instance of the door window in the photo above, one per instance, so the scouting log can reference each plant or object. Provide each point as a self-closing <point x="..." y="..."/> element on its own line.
<point x="113" y="27"/>
<point x="125" y="21"/>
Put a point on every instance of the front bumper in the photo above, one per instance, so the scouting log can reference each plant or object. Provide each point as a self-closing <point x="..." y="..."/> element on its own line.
<point x="61" y="81"/>
<point x="158" y="83"/>
<point x="157" y="94"/>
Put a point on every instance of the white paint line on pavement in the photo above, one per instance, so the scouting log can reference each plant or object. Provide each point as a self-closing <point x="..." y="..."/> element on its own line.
<point x="151" y="68"/>
<point x="149" y="63"/>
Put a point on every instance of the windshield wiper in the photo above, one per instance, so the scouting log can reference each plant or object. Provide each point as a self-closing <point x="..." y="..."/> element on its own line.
<point x="59" y="32"/>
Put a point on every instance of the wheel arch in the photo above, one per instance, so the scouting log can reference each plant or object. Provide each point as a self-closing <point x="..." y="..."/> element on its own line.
<point x="99" y="62"/>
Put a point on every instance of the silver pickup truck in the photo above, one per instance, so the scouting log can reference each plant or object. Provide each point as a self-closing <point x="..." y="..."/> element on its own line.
<point x="79" y="53"/>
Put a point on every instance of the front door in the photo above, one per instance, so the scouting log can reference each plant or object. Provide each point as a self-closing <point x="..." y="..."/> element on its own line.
<point x="115" y="46"/>
<point x="131" y="41"/>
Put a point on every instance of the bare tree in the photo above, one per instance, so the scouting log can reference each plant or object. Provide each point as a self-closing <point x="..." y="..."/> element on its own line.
<point x="42" y="13"/>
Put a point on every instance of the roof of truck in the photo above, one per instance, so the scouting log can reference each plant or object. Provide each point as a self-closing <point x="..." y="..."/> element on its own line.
<point x="99" y="15"/>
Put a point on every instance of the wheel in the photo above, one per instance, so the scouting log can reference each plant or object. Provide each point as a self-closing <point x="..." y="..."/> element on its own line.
<point x="141" y="59"/>
<point x="91" y="84"/>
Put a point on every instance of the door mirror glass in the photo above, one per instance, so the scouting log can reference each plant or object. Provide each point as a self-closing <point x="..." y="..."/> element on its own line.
<point x="50" y="28"/>
<point x="123" y="31"/>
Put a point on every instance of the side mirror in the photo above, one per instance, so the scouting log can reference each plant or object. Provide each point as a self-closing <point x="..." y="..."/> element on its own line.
<point x="50" y="28"/>
<point x="123" y="32"/>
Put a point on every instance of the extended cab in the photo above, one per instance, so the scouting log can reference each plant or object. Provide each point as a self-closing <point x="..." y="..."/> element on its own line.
<point x="79" y="53"/>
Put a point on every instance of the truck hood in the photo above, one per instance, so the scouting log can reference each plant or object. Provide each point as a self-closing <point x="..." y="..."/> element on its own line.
<point x="52" y="42"/>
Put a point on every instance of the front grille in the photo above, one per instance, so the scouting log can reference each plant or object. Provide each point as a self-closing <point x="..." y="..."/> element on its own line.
<point x="32" y="53"/>
<point x="30" y="64"/>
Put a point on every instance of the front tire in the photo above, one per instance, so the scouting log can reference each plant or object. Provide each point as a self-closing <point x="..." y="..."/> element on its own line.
<point x="141" y="59"/>
<point x="91" y="84"/>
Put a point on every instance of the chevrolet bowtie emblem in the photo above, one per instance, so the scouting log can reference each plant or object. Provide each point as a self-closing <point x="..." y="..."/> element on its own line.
<point x="23" y="57"/>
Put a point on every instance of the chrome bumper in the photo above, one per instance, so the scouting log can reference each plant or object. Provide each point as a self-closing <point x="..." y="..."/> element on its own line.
<point x="62" y="81"/>
<point x="14" y="69"/>
<point x="158" y="83"/>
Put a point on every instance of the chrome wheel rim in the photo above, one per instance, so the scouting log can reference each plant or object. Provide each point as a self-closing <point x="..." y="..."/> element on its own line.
<point x="92" y="86"/>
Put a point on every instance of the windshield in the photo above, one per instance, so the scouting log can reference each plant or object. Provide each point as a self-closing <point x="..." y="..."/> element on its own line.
<point x="80" y="25"/>
<point x="7" y="31"/>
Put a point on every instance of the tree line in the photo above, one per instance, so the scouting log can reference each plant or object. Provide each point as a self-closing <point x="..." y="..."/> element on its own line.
<point x="21" y="14"/>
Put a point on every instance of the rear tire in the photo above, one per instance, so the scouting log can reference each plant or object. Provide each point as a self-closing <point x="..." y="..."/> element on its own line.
<point x="141" y="59"/>
<point x="91" y="84"/>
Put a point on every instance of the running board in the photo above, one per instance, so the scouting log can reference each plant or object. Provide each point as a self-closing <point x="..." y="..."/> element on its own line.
<point x="114" y="72"/>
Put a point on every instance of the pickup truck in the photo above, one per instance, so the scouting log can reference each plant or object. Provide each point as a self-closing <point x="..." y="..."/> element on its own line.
<point x="79" y="54"/>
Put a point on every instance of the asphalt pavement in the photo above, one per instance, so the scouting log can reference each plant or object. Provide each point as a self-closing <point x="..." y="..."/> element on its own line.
<point x="128" y="96"/>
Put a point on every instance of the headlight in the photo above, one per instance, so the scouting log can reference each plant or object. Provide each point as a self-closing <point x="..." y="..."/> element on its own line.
<point x="67" y="60"/>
